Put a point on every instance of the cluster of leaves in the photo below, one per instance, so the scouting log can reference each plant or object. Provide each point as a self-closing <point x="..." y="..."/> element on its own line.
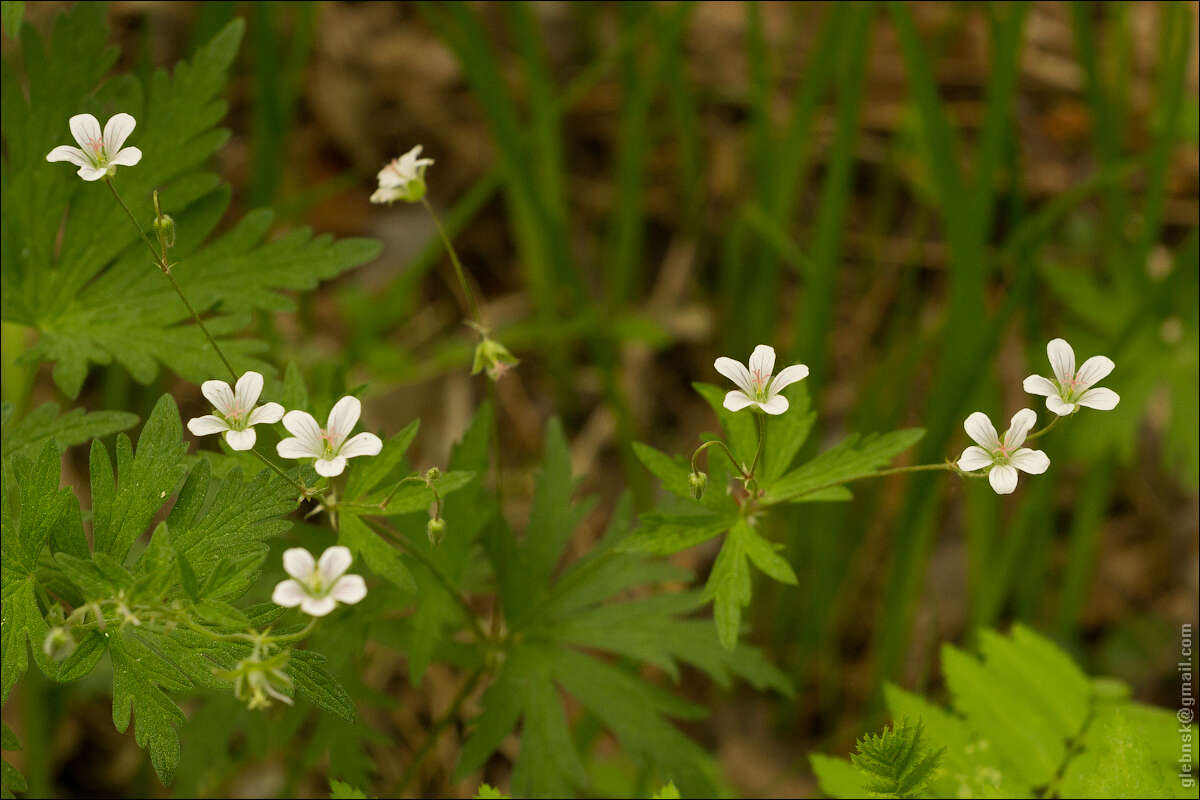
<point x="723" y="509"/>
<point x="1026" y="722"/>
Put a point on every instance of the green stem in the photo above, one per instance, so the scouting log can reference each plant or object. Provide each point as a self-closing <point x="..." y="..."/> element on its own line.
<point x="292" y="637"/>
<point x="301" y="487"/>
<point x="435" y="733"/>
<point x="410" y="479"/>
<point x="947" y="466"/>
<point x="472" y="306"/>
<point x="728" y="454"/>
<point x="760" y="422"/>
<point x="1044" y="430"/>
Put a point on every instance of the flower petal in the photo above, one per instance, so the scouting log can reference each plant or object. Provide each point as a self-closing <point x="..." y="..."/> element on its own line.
<point x="1022" y="423"/>
<point x="974" y="458"/>
<point x="775" y="406"/>
<point x="737" y="400"/>
<point x="1036" y="384"/>
<point x="266" y="413"/>
<point x="288" y="594"/>
<point x="318" y="606"/>
<point x="364" y="444"/>
<point x="1062" y="360"/>
<point x="349" y="589"/>
<point x="1035" y="462"/>
<point x="331" y="467"/>
<point x="980" y="429"/>
<point x="295" y="448"/>
<point x="1094" y="370"/>
<point x="241" y="440"/>
<point x="116" y="131"/>
<point x="1101" y="399"/>
<point x="247" y="390"/>
<point x="206" y="425"/>
<point x="128" y="157"/>
<point x="64" y="152"/>
<point x="762" y="364"/>
<point x="90" y="173"/>
<point x="1003" y="479"/>
<point x="1059" y="406"/>
<point x="342" y="419"/>
<point x="302" y="425"/>
<point x="86" y="130"/>
<point x="334" y="561"/>
<point x="736" y="371"/>
<point x="787" y="376"/>
<point x="298" y="563"/>
<point x="219" y="394"/>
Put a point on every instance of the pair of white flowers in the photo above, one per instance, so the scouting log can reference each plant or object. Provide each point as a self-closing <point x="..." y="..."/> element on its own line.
<point x="237" y="413"/>
<point x="1065" y="393"/>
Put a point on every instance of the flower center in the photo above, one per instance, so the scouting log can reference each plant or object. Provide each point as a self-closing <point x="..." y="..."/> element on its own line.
<point x="330" y="450"/>
<point x="237" y="418"/>
<point x="98" y="154"/>
<point x="759" y="381"/>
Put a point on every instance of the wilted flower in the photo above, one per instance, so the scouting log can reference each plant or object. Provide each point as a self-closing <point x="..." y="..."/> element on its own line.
<point x="328" y="445"/>
<point x="494" y="357"/>
<point x="697" y="481"/>
<point x="1071" y="389"/>
<point x="238" y="415"/>
<point x="256" y="680"/>
<point x="98" y="154"/>
<point x="402" y="178"/>
<point x="755" y="384"/>
<point x="1002" y="458"/>
<point x="59" y="644"/>
<point x="318" y="586"/>
<point x="435" y="529"/>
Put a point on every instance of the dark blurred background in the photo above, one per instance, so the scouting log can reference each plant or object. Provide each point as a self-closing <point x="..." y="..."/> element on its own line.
<point x="911" y="199"/>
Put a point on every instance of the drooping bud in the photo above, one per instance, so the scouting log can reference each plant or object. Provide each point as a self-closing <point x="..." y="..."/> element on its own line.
<point x="164" y="226"/>
<point x="435" y="529"/>
<point x="494" y="357"/>
<point x="256" y="680"/>
<point x="698" y="480"/>
<point x="59" y="644"/>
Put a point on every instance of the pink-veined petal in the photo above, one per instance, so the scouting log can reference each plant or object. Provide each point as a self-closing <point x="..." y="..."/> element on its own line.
<point x="787" y="376"/>
<point x="349" y="589"/>
<point x="981" y="430"/>
<point x="128" y="157"/>
<point x="736" y="371"/>
<point x="219" y="394"/>
<point x="1094" y="370"/>
<point x="247" y="390"/>
<point x="364" y="444"/>
<point x="266" y="413"/>
<point x="1003" y="479"/>
<point x="1020" y="426"/>
<point x="342" y="419"/>
<point x="90" y="173"/>
<point x="1062" y="360"/>
<point x="1036" y="384"/>
<point x="207" y="425"/>
<point x="318" y="606"/>
<point x="1059" y="406"/>
<point x="736" y="400"/>
<point x="330" y="467"/>
<point x="288" y="594"/>
<point x="298" y="563"/>
<point x="86" y="130"/>
<point x="333" y="562"/>
<point x="295" y="448"/>
<point x="1101" y="399"/>
<point x="241" y="440"/>
<point x="1035" y="462"/>
<point x="762" y="364"/>
<point x="974" y="458"/>
<point x="775" y="406"/>
<point x="64" y="152"/>
<point x="116" y="131"/>
<point x="302" y="425"/>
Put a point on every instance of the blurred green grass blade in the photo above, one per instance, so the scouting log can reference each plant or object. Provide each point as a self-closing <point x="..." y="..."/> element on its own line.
<point x="681" y="95"/>
<point x="1083" y="543"/>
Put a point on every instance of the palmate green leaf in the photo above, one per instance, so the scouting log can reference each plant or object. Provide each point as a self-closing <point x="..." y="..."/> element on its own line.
<point x="141" y="678"/>
<point x="10" y="779"/>
<point x="98" y="298"/>
<point x="382" y="558"/>
<point x="897" y="762"/>
<point x="22" y="436"/>
<point x="854" y="457"/>
<point x="340" y="790"/>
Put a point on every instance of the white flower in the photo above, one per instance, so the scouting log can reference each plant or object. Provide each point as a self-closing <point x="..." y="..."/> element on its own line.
<point x="1070" y="389"/>
<point x="1004" y="457"/>
<point x="402" y="178"/>
<point x="318" y="586"/>
<point x="329" y="444"/>
<point x="755" y="384"/>
<point x="98" y="154"/>
<point x="238" y="416"/>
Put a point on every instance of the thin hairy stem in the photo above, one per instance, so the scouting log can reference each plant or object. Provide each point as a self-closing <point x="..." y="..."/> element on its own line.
<point x="946" y="466"/>
<point x="278" y="471"/>
<point x="728" y="454"/>
<point x="760" y="422"/>
<point x="461" y="273"/>
<point x="1044" y="430"/>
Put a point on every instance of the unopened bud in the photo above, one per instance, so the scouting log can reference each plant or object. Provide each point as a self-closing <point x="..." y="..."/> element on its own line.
<point x="165" y="226"/>
<point x="435" y="529"/>
<point x="697" y="480"/>
<point x="59" y="644"/>
<point x="432" y="474"/>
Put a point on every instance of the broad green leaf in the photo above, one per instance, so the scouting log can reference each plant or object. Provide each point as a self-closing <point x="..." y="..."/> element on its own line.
<point x="25" y="436"/>
<point x="140" y="680"/>
<point x="314" y="683"/>
<point x="382" y="558"/>
<point x="853" y="458"/>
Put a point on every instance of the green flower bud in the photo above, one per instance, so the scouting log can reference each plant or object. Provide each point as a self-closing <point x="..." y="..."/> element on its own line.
<point x="432" y="474"/>
<point x="698" y="480"/>
<point x="494" y="357"/>
<point x="59" y="644"/>
<point x="165" y="227"/>
<point x="436" y="530"/>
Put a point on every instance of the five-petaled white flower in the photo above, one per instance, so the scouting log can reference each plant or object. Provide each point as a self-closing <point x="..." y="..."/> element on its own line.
<point x="1070" y="389"/>
<point x="328" y="445"/>
<point x="318" y="586"/>
<point x="1002" y="457"/>
<point x="238" y="416"/>
<point x="755" y="387"/>
<point x="98" y="154"/>
<point x="402" y="178"/>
